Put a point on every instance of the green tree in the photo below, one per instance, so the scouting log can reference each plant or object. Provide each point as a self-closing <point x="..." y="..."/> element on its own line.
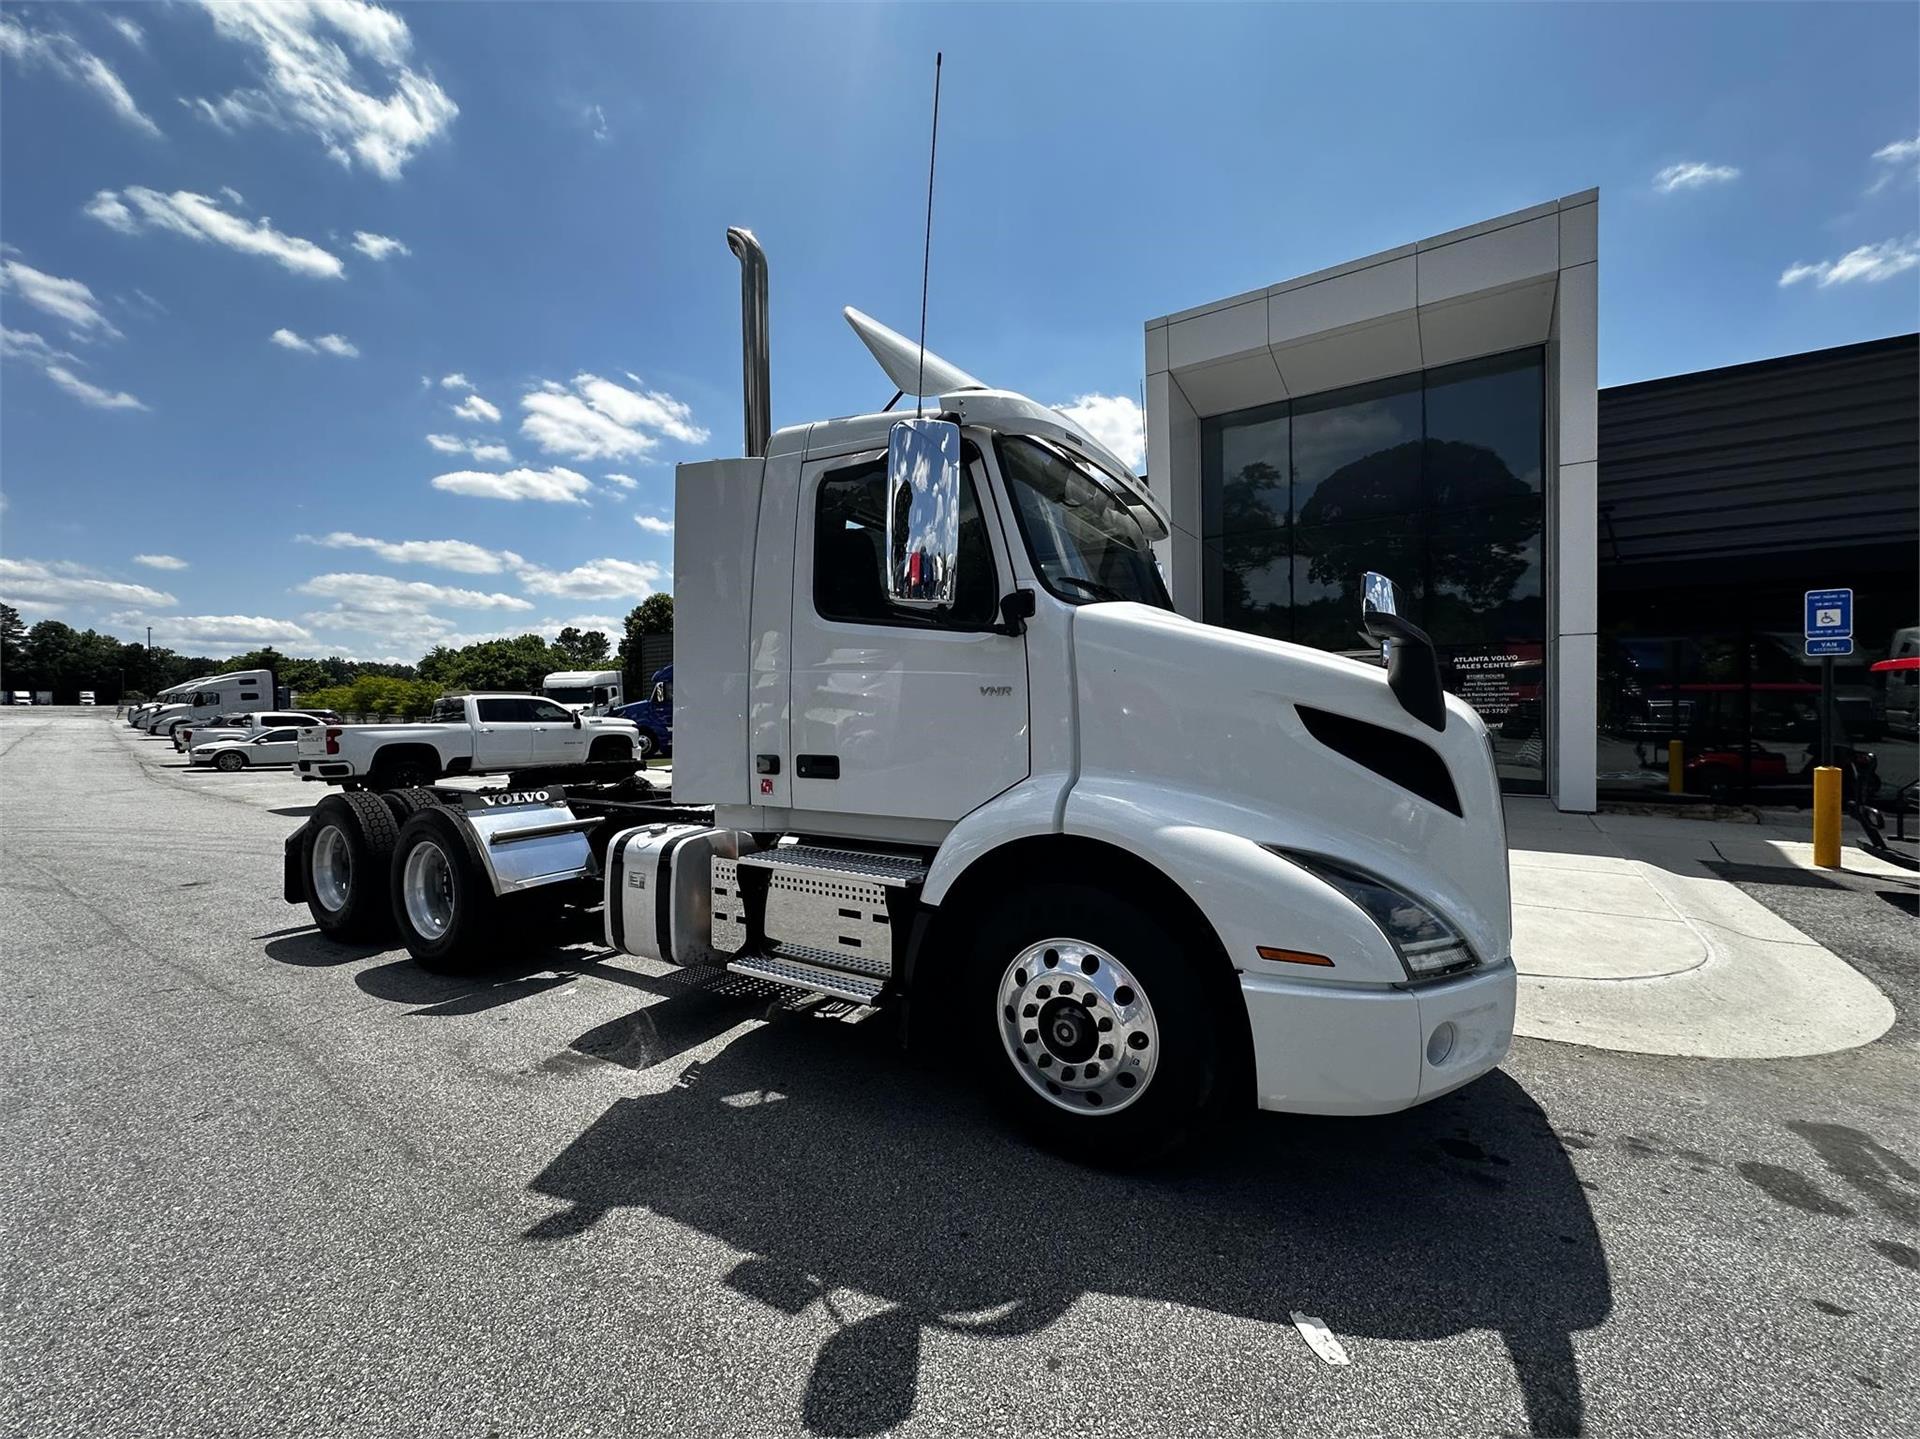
<point x="652" y="616"/>
<point x="518" y="664"/>
<point x="581" y="650"/>
<point x="13" y="651"/>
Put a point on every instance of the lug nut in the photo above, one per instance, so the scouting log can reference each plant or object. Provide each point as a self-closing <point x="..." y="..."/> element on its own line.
<point x="1045" y="1061"/>
<point x="1066" y="1071"/>
<point x="1106" y="1051"/>
<point x="1029" y="1011"/>
<point x="1045" y="991"/>
<point x="1105" y="1024"/>
<point x="1066" y="986"/>
<point x="1032" y="1036"/>
<point x="1092" y="1071"/>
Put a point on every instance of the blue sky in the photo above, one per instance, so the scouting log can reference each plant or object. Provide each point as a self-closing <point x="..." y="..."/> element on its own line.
<point x="180" y="184"/>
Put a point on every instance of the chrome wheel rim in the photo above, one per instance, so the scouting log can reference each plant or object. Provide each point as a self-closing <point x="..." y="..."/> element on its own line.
<point x="426" y="886"/>
<point x="332" y="868"/>
<point x="1078" y="1027"/>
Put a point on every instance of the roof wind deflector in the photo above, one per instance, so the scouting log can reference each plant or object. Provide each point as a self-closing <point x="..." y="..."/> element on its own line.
<point x="899" y="357"/>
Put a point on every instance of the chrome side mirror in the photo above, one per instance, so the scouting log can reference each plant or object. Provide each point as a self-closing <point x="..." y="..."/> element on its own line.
<point x="923" y="513"/>
<point x="1413" y="669"/>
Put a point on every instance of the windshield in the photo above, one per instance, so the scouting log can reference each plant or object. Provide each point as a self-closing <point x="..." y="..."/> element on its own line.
<point x="1083" y="540"/>
<point x="574" y="694"/>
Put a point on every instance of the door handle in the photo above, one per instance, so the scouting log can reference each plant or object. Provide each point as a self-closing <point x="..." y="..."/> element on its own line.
<point x="816" y="766"/>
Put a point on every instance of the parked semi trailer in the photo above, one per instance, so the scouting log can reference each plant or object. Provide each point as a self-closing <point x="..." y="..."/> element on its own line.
<point x="944" y="746"/>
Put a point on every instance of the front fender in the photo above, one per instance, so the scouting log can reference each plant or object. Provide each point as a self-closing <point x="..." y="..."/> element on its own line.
<point x="1250" y="896"/>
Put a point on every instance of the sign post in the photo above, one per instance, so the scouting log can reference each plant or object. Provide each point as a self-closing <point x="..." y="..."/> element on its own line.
<point x="1829" y="633"/>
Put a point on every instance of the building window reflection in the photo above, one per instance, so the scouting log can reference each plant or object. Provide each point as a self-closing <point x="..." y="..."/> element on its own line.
<point x="1434" y="479"/>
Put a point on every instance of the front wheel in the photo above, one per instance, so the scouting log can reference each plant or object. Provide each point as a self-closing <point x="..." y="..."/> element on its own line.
<point x="644" y="745"/>
<point x="1096" y="1024"/>
<point x="229" y="761"/>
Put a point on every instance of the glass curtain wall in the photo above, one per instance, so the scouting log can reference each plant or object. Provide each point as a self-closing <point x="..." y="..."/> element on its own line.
<point x="1433" y="479"/>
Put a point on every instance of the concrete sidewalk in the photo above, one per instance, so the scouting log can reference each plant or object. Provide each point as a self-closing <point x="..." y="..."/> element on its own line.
<point x="1626" y="939"/>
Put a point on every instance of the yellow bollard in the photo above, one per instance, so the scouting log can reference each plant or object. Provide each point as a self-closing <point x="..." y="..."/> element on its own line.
<point x="1826" y="817"/>
<point x="1676" y="766"/>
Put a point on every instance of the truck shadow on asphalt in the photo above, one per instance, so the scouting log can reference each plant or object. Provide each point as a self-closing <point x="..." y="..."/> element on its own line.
<point x="884" y="1193"/>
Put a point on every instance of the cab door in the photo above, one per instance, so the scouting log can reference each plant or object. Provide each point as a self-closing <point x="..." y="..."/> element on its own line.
<point x="557" y="738"/>
<point x="503" y="732"/>
<point x="894" y="712"/>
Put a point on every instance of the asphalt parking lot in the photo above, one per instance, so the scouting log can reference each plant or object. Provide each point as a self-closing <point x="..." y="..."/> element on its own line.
<point x="257" y="1183"/>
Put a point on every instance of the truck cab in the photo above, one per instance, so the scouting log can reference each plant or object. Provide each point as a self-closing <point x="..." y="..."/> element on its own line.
<point x="595" y="692"/>
<point x="960" y="748"/>
<point x="653" y="716"/>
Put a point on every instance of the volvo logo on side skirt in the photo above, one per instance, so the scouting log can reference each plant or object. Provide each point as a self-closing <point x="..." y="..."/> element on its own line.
<point x="996" y="691"/>
<point x="513" y="797"/>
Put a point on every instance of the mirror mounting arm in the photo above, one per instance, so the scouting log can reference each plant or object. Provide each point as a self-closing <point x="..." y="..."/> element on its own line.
<point x="1015" y="610"/>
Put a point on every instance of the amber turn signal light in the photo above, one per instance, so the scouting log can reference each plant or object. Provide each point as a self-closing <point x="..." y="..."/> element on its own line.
<point x="1293" y="956"/>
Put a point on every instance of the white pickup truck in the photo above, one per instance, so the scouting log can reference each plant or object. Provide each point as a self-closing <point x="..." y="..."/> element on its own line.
<point x="464" y="734"/>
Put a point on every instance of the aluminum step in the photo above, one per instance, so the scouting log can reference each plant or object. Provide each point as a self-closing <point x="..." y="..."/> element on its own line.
<point x="891" y="870"/>
<point x="811" y="978"/>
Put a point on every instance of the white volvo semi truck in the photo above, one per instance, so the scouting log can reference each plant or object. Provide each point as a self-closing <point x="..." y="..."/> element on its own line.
<point x="943" y="745"/>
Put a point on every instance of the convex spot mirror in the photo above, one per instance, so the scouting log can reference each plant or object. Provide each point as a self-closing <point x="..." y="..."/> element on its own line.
<point x="923" y="513"/>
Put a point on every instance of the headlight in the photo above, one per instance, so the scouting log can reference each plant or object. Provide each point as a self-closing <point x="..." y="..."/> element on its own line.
<point x="1426" y="943"/>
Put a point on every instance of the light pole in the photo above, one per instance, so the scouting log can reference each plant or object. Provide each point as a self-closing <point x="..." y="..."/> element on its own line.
<point x="149" y="661"/>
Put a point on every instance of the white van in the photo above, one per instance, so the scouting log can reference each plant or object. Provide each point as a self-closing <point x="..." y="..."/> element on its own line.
<point x="86" y="697"/>
<point x="595" y="692"/>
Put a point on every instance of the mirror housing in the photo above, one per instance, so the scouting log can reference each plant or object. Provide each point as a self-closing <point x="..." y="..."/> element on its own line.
<point x="1413" y="669"/>
<point x="576" y="719"/>
<point x="923" y="513"/>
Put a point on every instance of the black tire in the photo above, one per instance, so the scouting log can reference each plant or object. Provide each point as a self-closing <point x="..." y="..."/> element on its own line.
<point x="406" y="803"/>
<point x="230" y="760"/>
<point x="609" y="747"/>
<point x="349" y="903"/>
<point x="470" y="934"/>
<point x="1179" y="974"/>
<point x="645" y="745"/>
<point x="402" y="772"/>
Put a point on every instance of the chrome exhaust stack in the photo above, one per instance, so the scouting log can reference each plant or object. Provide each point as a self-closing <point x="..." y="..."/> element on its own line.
<point x="756" y="356"/>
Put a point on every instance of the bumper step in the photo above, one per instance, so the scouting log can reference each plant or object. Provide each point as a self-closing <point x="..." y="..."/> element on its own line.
<point x="809" y="978"/>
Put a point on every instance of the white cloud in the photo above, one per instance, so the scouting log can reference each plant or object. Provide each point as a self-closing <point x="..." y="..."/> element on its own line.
<point x="599" y="420"/>
<point x="385" y="594"/>
<point x="332" y="344"/>
<point x="1692" y="175"/>
<point x="50" y="582"/>
<point x="67" y="300"/>
<point x="596" y="119"/>
<point x="555" y="485"/>
<point x="479" y="410"/>
<point x="1871" y="263"/>
<point x="310" y="82"/>
<point x="602" y="579"/>
<point x="129" y="30"/>
<point x="625" y="482"/>
<point x="201" y="218"/>
<point x="653" y="524"/>
<point x="1900" y="157"/>
<point x="26" y="345"/>
<point x="67" y="57"/>
<point x="1113" y="420"/>
<point x="91" y="394"/>
<point x="160" y="562"/>
<point x="456" y="555"/>
<point x="455" y="381"/>
<point x="229" y="634"/>
<point x="486" y="452"/>
<point x="378" y="247"/>
<point x="108" y="209"/>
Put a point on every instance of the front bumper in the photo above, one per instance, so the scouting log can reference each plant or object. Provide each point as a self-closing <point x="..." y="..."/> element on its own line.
<point x="1319" y="1049"/>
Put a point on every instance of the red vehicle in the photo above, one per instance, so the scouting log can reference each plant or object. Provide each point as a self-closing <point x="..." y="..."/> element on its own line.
<point x="1725" y="766"/>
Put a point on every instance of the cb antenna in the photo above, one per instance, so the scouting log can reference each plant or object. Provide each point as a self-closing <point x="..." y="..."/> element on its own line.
<point x="926" y="253"/>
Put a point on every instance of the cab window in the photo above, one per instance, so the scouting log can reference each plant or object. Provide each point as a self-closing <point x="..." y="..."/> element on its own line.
<point x="850" y="553"/>
<point x="504" y="711"/>
<point x="545" y="712"/>
<point x="447" y="712"/>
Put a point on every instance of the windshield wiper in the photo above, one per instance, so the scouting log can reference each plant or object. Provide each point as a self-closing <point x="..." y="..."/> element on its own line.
<point x="1092" y="587"/>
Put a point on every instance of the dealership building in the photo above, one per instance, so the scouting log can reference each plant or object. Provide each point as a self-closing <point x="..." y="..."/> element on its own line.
<point x="1601" y="571"/>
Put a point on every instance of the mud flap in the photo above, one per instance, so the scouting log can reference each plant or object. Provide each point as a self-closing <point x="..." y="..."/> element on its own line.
<point x="293" y="884"/>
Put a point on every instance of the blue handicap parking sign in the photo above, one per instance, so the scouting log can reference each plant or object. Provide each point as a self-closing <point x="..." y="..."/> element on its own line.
<point x="1829" y="616"/>
<point x="1839" y="645"/>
